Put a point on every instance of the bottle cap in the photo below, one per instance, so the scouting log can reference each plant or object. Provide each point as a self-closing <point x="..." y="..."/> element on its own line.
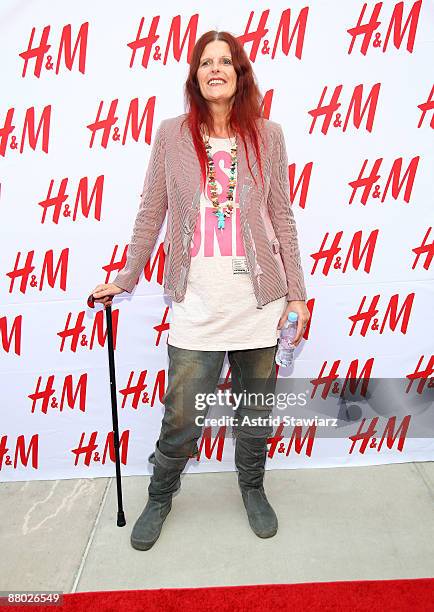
<point x="292" y="317"/>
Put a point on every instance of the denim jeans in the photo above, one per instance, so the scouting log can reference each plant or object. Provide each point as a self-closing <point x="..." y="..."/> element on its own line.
<point x="191" y="372"/>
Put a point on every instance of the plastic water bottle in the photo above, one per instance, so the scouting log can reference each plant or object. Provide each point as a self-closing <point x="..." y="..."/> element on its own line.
<point x="285" y="350"/>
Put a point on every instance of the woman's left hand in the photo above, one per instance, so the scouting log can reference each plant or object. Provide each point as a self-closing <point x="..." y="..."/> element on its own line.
<point x="298" y="306"/>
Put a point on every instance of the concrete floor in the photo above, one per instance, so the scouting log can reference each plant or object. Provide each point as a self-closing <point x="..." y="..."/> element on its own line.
<point x="373" y="522"/>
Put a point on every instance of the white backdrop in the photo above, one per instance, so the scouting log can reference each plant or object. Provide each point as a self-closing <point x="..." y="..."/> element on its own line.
<point x="55" y="413"/>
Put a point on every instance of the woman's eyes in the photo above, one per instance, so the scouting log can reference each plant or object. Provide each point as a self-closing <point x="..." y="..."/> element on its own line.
<point x="226" y="59"/>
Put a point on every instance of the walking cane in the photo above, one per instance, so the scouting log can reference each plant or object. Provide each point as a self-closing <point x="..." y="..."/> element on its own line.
<point x="121" y="522"/>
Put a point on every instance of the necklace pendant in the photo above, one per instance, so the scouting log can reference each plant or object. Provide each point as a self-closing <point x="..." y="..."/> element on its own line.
<point x="220" y="219"/>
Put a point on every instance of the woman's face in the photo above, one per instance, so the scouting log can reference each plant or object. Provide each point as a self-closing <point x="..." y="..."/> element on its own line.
<point x="216" y="63"/>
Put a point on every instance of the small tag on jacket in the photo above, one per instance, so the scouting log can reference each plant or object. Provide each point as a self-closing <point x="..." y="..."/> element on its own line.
<point x="239" y="265"/>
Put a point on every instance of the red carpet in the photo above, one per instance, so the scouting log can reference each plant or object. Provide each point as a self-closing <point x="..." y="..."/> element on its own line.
<point x="382" y="595"/>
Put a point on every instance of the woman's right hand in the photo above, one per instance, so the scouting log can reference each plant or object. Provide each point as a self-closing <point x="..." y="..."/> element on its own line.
<point x="105" y="292"/>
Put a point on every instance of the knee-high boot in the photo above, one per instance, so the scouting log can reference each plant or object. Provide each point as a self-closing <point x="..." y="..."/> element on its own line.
<point x="165" y="480"/>
<point x="250" y="457"/>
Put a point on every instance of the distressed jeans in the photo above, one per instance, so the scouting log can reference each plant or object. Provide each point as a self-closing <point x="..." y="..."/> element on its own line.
<point x="191" y="372"/>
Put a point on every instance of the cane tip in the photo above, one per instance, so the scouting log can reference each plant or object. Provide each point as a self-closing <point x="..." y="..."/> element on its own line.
<point x="121" y="522"/>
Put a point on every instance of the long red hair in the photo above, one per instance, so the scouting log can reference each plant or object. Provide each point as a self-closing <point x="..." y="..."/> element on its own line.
<point x="246" y="107"/>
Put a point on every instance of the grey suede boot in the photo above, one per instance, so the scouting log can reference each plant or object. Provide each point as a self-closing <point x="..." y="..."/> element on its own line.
<point x="250" y="457"/>
<point x="165" y="480"/>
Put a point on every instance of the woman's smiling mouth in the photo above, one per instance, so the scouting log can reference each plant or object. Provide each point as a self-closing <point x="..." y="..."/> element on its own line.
<point x="215" y="82"/>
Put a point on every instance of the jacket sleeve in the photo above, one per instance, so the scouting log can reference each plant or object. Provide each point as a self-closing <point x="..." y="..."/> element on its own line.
<point x="282" y="218"/>
<point x="150" y="216"/>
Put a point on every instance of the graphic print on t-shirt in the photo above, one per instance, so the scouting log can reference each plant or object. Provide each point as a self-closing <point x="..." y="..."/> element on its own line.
<point x="208" y="240"/>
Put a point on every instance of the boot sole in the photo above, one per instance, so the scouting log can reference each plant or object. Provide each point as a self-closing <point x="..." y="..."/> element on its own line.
<point x="266" y="535"/>
<point x="138" y="545"/>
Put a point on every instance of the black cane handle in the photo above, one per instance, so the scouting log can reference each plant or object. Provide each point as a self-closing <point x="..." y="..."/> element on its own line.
<point x="91" y="300"/>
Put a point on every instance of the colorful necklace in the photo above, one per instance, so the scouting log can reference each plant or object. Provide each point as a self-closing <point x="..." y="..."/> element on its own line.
<point x="219" y="212"/>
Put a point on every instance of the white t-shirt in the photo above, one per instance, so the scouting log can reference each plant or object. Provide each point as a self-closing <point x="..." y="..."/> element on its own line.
<point x="218" y="312"/>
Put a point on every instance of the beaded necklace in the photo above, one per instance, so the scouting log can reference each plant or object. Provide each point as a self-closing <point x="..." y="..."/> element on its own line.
<point x="218" y="210"/>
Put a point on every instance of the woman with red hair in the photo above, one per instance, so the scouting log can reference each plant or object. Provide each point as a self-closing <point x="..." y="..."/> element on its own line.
<point x="232" y="269"/>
